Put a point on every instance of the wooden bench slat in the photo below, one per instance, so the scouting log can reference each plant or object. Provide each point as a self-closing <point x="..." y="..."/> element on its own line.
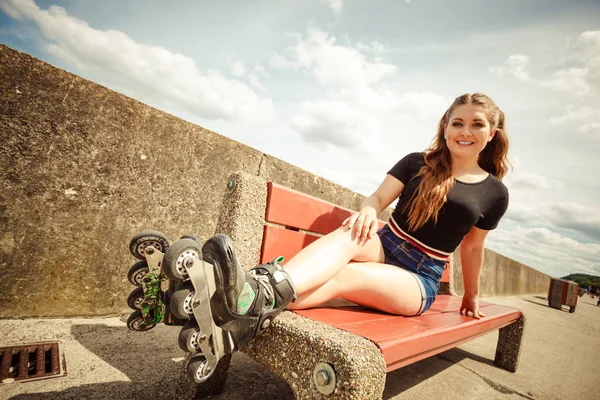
<point x="405" y="340"/>
<point x="283" y="242"/>
<point x="291" y="208"/>
<point x="403" y="351"/>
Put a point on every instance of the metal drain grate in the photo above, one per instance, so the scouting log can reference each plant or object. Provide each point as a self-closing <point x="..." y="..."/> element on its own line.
<point x="31" y="361"/>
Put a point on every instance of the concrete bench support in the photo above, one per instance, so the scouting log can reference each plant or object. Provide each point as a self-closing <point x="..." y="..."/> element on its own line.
<point x="508" y="349"/>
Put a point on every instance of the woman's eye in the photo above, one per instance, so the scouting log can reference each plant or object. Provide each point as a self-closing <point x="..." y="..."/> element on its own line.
<point x="457" y="124"/>
<point x="478" y="124"/>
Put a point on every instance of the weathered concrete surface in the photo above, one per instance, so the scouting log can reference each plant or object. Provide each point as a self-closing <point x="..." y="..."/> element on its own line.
<point x="500" y="276"/>
<point x="82" y="168"/>
<point x="105" y="360"/>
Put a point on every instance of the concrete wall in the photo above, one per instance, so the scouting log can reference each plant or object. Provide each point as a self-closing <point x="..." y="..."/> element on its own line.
<point x="500" y="276"/>
<point x="82" y="168"/>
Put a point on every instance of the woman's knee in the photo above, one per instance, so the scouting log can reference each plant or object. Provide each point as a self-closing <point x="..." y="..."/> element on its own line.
<point x="361" y="250"/>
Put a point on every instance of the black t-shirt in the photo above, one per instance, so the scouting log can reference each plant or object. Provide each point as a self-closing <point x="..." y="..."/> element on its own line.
<point x="480" y="204"/>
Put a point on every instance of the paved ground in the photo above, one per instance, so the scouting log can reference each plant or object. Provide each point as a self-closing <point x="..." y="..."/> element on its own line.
<point x="105" y="360"/>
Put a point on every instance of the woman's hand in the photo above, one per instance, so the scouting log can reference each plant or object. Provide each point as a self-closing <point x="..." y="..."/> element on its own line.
<point x="471" y="304"/>
<point x="363" y="224"/>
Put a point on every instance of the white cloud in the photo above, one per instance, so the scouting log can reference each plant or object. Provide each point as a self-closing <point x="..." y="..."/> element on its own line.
<point x="424" y="103"/>
<point x="151" y="73"/>
<point x="547" y="251"/>
<point x="375" y="47"/>
<point x="567" y="215"/>
<point x="575" y="114"/>
<point x="572" y="80"/>
<point x="586" y="117"/>
<point x="578" y="77"/>
<point x="527" y="181"/>
<point x="360" y="94"/>
<point x="590" y="131"/>
<point x="237" y="68"/>
<point x="335" y="123"/>
<point x="514" y="65"/>
<point x="587" y="50"/>
<point x="331" y="63"/>
<point x="336" y="5"/>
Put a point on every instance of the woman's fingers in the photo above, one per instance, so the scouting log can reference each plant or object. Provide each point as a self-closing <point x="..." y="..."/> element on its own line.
<point x="352" y="220"/>
<point x="357" y="231"/>
<point x="346" y="221"/>
<point x="365" y="229"/>
<point x="373" y="230"/>
<point x="362" y="225"/>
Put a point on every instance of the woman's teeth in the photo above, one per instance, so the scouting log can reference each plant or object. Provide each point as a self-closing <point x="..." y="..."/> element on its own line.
<point x="464" y="143"/>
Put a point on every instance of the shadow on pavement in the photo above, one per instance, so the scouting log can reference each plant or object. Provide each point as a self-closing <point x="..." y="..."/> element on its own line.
<point x="405" y="378"/>
<point x="146" y="358"/>
<point x="545" y="305"/>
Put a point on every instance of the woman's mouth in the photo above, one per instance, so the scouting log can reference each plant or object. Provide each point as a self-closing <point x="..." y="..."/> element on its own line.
<point x="464" y="143"/>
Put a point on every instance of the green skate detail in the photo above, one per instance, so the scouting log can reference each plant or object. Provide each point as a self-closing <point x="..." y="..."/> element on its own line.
<point x="248" y="295"/>
<point x="154" y="308"/>
<point x="245" y="300"/>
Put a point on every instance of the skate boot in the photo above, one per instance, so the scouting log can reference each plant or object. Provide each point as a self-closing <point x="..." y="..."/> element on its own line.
<point x="226" y="306"/>
<point x="246" y="303"/>
<point x="148" y="298"/>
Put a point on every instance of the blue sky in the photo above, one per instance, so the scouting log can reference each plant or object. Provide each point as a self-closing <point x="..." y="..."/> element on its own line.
<point x="345" y="88"/>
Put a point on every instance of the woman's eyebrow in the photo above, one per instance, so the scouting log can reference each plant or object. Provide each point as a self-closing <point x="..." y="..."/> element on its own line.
<point x="460" y="119"/>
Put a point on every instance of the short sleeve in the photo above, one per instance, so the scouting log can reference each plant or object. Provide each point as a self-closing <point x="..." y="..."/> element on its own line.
<point x="492" y="218"/>
<point x="402" y="169"/>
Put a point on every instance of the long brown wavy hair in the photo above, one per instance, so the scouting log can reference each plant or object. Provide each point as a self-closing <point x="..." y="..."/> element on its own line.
<point x="436" y="174"/>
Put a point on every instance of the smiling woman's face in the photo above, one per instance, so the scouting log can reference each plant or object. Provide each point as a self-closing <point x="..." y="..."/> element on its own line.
<point x="468" y="131"/>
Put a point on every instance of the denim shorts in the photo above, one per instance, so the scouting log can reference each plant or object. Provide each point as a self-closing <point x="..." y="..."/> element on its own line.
<point x="426" y="270"/>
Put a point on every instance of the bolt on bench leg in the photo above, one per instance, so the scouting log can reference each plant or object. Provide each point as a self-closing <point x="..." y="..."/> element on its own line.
<point x="508" y="349"/>
<point x="319" y="361"/>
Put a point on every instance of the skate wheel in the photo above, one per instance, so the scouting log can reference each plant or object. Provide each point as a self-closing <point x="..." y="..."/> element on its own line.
<point x="137" y="272"/>
<point x="136" y="298"/>
<point x="136" y="322"/>
<point x="181" y="301"/>
<point x="198" y="369"/>
<point x="141" y="240"/>
<point x="190" y="337"/>
<point x="181" y="251"/>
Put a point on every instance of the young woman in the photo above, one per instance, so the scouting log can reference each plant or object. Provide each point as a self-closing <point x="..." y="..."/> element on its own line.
<point x="450" y="195"/>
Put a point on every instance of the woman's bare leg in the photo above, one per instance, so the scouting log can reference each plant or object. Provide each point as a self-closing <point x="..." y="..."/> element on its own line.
<point x="380" y="286"/>
<point x="323" y="259"/>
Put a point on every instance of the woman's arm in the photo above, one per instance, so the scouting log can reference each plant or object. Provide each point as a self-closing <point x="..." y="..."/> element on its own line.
<point x="364" y="222"/>
<point x="471" y="258"/>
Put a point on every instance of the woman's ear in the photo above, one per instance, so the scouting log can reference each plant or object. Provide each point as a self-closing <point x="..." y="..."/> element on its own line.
<point x="492" y="133"/>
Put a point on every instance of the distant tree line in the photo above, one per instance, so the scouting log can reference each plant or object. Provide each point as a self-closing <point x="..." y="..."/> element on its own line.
<point x="583" y="280"/>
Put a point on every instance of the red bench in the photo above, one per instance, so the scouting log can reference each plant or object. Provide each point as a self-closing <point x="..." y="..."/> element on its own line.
<point x="324" y="349"/>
